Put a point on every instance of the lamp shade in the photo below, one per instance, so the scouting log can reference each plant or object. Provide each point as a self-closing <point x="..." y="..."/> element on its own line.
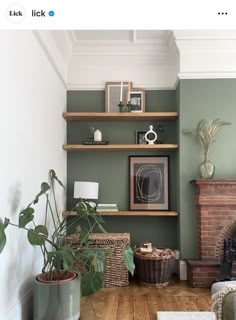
<point x="86" y="190"/>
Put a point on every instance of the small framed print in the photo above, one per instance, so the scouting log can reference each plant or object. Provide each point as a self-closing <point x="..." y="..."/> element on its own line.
<point x="140" y="137"/>
<point x="149" y="183"/>
<point x="136" y="96"/>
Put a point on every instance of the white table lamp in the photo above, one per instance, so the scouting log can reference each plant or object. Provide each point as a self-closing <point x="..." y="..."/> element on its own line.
<point x="86" y="190"/>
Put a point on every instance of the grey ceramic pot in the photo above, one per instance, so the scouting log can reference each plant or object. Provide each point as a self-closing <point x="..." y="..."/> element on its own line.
<point x="56" y="301"/>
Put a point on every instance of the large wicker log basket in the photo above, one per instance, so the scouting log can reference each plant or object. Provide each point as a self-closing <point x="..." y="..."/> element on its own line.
<point x="154" y="269"/>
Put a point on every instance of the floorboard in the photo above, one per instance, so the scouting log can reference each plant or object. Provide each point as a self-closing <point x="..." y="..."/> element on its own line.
<point x="137" y="302"/>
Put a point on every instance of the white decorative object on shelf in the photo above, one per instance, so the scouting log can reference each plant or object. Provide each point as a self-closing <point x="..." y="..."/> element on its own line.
<point x="150" y="135"/>
<point x="97" y="135"/>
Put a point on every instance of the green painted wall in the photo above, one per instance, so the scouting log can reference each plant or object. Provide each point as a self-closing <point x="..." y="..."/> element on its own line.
<point x="194" y="100"/>
<point x="200" y="99"/>
<point x="110" y="169"/>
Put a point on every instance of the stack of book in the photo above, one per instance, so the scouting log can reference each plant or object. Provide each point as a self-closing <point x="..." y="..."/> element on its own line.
<point x="107" y="207"/>
<point x="89" y="142"/>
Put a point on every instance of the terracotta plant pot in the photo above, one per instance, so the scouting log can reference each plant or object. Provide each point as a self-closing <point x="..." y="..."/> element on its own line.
<point x="53" y="277"/>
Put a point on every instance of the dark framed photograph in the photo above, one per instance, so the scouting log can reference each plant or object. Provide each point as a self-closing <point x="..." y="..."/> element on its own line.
<point x="137" y="99"/>
<point x="149" y="182"/>
<point x="140" y="137"/>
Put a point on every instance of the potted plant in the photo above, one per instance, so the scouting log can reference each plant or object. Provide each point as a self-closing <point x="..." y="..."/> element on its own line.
<point x="205" y="133"/>
<point x="57" y="289"/>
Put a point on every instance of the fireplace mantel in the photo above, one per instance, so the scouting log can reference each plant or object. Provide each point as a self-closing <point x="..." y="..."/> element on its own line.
<point x="216" y="218"/>
<point x="215" y="192"/>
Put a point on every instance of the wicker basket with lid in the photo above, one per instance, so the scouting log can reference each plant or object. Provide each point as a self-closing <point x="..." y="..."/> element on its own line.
<point x="115" y="272"/>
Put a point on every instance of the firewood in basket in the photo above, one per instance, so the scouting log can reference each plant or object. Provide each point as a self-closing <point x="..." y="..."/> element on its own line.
<point x="145" y="250"/>
<point x="146" y="245"/>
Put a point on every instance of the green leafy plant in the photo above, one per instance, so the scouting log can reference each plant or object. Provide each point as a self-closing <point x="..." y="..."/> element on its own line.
<point x="59" y="257"/>
<point x="206" y="132"/>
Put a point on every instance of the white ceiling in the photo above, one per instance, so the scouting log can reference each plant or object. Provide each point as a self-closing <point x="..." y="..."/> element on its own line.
<point x="120" y="35"/>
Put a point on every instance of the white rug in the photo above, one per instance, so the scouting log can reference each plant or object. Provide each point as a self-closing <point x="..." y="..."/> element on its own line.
<point x="186" y="315"/>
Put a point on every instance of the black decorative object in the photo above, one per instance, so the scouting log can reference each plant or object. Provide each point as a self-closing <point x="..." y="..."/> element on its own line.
<point x="121" y="106"/>
<point x="161" y="134"/>
<point x="129" y="106"/>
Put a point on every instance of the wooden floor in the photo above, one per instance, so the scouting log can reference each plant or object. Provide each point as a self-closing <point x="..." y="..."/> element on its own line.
<point x="137" y="302"/>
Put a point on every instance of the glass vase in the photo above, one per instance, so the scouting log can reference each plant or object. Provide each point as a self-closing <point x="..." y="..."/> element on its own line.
<point x="206" y="169"/>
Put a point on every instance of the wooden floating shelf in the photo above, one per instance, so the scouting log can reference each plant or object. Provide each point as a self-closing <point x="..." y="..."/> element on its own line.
<point x="119" y="116"/>
<point x="120" y="147"/>
<point x="132" y="213"/>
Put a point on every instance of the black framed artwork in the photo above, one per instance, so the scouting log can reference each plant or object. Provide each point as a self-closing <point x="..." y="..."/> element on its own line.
<point x="140" y="137"/>
<point x="149" y="182"/>
<point x="136" y="96"/>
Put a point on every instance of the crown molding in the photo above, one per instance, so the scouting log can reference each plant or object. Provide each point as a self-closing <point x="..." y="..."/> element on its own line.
<point x="116" y="58"/>
<point x="207" y="75"/>
<point x="159" y="63"/>
<point x="205" y="41"/>
<point x="204" y="34"/>
<point x="122" y="53"/>
<point x="98" y="87"/>
<point x="57" y="48"/>
<point x="206" y="54"/>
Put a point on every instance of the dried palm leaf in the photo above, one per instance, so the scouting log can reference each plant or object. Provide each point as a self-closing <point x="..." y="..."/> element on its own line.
<point x="206" y="131"/>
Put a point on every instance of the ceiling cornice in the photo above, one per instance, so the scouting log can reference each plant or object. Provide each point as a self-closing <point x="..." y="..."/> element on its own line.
<point x="207" y="75"/>
<point x="223" y="41"/>
<point x="58" y="49"/>
<point x="182" y="54"/>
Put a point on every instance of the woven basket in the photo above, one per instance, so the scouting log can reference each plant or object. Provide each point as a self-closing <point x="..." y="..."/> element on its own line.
<point x="115" y="272"/>
<point x="154" y="271"/>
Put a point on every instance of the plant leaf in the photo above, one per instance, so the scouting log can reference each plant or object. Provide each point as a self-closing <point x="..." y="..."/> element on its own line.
<point x="26" y="216"/>
<point x="129" y="259"/>
<point x="44" y="188"/>
<point x="91" y="282"/>
<point x="38" y="236"/>
<point x="41" y="229"/>
<point x="62" y="258"/>
<point x="93" y="258"/>
<point x="3" y="238"/>
<point x="83" y="235"/>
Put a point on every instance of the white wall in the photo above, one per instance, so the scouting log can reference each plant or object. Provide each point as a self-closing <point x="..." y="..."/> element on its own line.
<point x="32" y="132"/>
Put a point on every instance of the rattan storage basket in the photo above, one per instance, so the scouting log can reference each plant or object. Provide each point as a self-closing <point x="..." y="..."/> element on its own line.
<point x="152" y="270"/>
<point x="115" y="272"/>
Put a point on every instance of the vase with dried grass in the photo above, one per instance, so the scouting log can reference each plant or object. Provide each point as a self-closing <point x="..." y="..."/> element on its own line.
<point x="205" y="134"/>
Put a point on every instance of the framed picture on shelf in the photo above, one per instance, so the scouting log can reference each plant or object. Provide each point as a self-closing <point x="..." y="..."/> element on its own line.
<point x="149" y="183"/>
<point x="136" y="96"/>
<point x="114" y="91"/>
<point x="140" y="137"/>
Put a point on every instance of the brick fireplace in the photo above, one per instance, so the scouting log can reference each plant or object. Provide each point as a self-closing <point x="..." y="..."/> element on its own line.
<point x="216" y="220"/>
